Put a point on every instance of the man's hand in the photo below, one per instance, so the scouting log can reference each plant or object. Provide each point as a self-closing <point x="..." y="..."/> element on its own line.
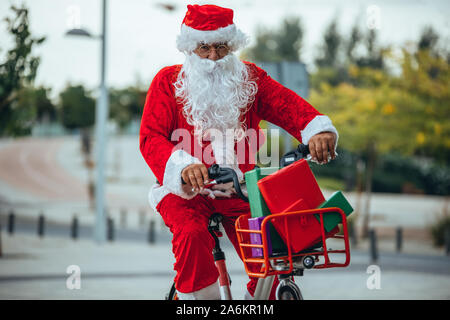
<point x="195" y="175"/>
<point x="322" y="144"/>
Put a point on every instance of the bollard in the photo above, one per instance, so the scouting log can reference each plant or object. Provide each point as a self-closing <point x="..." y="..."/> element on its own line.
<point x="41" y="225"/>
<point x="373" y="246"/>
<point x="399" y="239"/>
<point x="123" y="218"/>
<point x="151" y="232"/>
<point x="1" y="251"/>
<point x="163" y="224"/>
<point x="447" y="241"/>
<point x="11" y="222"/>
<point x="141" y="218"/>
<point x="110" y="223"/>
<point x="74" y="228"/>
<point x="352" y="234"/>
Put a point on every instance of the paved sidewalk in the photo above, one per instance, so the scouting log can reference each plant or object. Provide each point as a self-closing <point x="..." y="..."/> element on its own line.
<point x="33" y="268"/>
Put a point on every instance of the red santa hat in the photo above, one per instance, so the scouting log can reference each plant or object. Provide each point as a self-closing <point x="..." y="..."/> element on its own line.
<point x="209" y="24"/>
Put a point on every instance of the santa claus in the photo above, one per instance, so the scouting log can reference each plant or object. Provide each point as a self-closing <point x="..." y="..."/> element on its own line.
<point x="201" y="113"/>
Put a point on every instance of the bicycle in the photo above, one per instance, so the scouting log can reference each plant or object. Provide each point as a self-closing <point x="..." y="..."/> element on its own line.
<point x="286" y="264"/>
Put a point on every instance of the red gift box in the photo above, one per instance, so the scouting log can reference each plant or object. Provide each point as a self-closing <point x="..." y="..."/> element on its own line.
<point x="288" y="185"/>
<point x="294" y="188"/>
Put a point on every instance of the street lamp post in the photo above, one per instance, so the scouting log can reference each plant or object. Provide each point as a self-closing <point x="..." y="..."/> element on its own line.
<point x="101" y="116"/>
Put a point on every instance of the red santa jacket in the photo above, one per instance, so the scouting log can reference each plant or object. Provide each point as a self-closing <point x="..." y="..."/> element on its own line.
<point x="162" y="116"/>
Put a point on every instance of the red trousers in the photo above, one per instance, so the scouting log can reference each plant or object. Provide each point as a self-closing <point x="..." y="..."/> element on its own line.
<point x="192" y="244"/>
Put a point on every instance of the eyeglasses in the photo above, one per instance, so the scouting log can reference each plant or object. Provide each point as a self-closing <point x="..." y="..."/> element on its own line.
<point x="205" y="49"/>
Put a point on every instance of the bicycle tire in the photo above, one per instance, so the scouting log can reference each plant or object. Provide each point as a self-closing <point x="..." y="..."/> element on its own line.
<point x="172" y="295"/>
<point x="288" y="292"/>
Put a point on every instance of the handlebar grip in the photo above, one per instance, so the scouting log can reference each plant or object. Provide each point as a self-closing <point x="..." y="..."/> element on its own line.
<point x="215" y="172"/>
<point x="301" y="152"/>
<point x="303" y="149"/>
<point x="220" y="175"/>
<point x="224" y="175"/>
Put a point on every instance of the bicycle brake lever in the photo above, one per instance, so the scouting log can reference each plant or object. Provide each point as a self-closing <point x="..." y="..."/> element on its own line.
<point x="290" y="157"/>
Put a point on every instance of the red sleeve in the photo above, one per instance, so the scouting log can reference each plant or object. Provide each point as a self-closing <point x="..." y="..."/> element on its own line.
<point x="282" y="106"/>
<point x="157" y="123"/>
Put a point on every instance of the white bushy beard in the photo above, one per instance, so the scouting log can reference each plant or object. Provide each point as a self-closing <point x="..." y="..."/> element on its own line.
<point x="215" y="94"/>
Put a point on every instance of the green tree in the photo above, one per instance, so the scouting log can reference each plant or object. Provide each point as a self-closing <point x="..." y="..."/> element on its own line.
<point x="428" y="39"/>
<point x="426" y="80"/>
<point x="374" y="54"/>
<point x="338" y="58"/>
<point x="352" y="43"/>
<point x="330" y="49"/>
<point x="289" y="39"/>
<point x="330" y="61"/>
<point x="283" y="44"/>
<point x="404" y="114"/>
<point x="126" y="104"/>
<point x="37" y="99"/>
<point x="17" y="71"/>
<point x="77" y="108"/>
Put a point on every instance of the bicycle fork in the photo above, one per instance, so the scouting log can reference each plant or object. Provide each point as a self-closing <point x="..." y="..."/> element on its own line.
<point x="219" y="258"/>
<point x="224" y="279"/>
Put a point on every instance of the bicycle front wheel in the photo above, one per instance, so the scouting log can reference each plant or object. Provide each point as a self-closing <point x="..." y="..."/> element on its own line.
<point x="288" y="290"/>
<point x="172" y="295"/>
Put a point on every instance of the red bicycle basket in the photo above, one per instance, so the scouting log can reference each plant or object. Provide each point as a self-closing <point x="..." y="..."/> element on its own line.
<point x="287" y="225"/>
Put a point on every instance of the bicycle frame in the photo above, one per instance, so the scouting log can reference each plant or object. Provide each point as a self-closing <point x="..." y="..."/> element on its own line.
<point x="284" y="265"/>
<point x="219" y="257"/>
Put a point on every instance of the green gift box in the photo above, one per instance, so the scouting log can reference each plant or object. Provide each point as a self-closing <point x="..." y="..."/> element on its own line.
<point x="258" y="206"/>
<point x="332" y="219"/>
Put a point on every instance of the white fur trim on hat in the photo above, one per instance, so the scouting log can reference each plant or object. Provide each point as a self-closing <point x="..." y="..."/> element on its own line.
<point x="189" y="38"/>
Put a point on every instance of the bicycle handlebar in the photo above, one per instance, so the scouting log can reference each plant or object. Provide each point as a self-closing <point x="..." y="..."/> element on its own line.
<point x="224" y="175"/>
<point x="301" y="152"/>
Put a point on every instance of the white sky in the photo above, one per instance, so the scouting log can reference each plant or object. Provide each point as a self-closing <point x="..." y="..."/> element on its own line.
<point x="141" y="35"/>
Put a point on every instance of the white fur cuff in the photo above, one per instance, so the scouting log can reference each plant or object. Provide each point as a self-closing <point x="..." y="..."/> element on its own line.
<point x="317" y="125"/>
<point x="179" y="160"/>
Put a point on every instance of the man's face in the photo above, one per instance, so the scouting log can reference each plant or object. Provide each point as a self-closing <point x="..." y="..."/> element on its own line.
<point x="213" y="51"/>
<point x="215" y="87"/>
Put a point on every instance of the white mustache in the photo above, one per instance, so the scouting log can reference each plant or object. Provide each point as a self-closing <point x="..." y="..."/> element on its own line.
<point x="211" y="66"/>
